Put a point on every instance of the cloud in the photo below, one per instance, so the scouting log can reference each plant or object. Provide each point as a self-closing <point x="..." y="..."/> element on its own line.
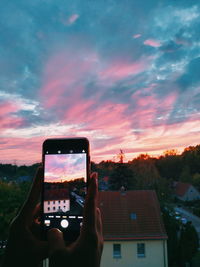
<point x="73" y="18"/>
<point x="151" y="42"/>
<point x="95" y="79"/>
<point x="120" y="70"/>
<point x="191" y="77"/>
<point x="8" y="115"/>
<point x="136" y="36"/>
<point x="65" y="167"/>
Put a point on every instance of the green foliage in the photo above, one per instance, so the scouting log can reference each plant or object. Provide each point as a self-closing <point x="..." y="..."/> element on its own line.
<point x="169" y="166"/>
<point x="188" y="245"/>
<point x="185" y="175"/>
<point x="122" y="175"/>
<point x="196" y="260"/>
<point x="145" y="172"/>
<point x="12" y="196"/>
<point x="172" y="228"/>
<point x="196" y="180"/>
<point x="191" y="157"/>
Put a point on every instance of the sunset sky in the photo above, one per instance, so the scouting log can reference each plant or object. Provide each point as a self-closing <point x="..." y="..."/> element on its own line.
<point x="124" y="74"/>
<point x="60" y="168"/>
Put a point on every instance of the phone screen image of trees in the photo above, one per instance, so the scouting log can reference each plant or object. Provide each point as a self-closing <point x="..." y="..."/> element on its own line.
<point x="65" y="197"/>
<point x="77" y="189"/>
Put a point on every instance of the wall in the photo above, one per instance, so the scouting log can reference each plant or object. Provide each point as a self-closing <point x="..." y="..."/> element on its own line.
<point x="191" y="194"/>
<point x="64" y="205"/>
<point x="156" y="254"/>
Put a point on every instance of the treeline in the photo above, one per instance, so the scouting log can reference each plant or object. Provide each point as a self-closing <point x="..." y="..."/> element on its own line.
<point x="10" y="172"/>
<point x="146" y="172"/>
<point x="143" y="172"/>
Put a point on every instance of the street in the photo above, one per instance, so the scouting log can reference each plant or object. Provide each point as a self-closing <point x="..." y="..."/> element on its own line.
<point x="190" y="217"/>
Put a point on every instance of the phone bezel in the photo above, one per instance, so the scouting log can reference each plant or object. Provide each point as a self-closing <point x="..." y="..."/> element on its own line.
<point x="55" y="144"/>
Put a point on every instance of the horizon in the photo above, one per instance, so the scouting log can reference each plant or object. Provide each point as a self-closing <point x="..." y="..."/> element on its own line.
<point x="115" y="158"/>
<point x="126" y="75"/>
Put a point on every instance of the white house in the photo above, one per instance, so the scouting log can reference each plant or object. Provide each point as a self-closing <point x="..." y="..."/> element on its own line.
<point x="56" y="200"/>
<point x="186" y="191"/>
<point x="134" y="234"/>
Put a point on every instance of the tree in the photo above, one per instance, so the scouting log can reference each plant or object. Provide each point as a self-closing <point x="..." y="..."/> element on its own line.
<point x="172" y="227"/>
<point x="169" y="166"/>
<point x="196" y="180"/>
<point x="122" y="175"/>
<point x="188" y="243"/>
<point x="185" y="175"/>
<point x="145" y="172"/>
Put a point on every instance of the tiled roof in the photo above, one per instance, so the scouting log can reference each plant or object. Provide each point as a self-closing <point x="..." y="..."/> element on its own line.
<point x="56" y="194"/>
<point x="181" y="188"/>
<point x="116" y="209"/>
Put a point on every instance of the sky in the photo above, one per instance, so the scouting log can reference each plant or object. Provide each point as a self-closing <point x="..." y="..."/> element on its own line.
<point x="60" y="168"/>
<point x="124" y="74"/>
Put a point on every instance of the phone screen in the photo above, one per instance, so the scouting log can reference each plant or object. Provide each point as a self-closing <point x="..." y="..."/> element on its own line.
<point x="64" y="191"/>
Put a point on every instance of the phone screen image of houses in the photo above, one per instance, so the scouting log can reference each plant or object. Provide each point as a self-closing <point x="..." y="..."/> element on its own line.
<point x="64" y="186"/>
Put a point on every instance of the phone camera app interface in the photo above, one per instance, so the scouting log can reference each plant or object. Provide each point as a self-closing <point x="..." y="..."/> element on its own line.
<point x="64" y="189"/>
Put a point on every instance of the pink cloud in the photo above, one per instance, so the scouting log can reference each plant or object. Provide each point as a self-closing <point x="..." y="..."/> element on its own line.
<point x="7" y="116"/>
<point x="65" y="167"/>
<point x="8" y="107"/>
<point x="151" y="42"/>
<point x="135" y="36"/>
<point x="71" y="20"/>
<point x="118" y="70"/>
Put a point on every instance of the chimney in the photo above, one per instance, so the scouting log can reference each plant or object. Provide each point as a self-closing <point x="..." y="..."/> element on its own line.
<point x="122" y="190"/>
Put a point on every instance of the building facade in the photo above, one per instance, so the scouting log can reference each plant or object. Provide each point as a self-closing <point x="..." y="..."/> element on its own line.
<point x="134" y="233"/>
<point x="56" y="200"/>
<point x="137" y="253"/>
<point x="186" y="191"/>
<point x="61" y="205"/>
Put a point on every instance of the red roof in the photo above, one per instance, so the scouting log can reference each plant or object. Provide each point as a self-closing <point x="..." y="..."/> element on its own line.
<point x="116" y="209"/>
<point x="181" y="188"/>
<point x="56" y="194"/>
<point x="106" y="178"/>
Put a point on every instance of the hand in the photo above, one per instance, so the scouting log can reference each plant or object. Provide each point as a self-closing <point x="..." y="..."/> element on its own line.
<point x="24" y="246"/>
<point x="87" y="249"/>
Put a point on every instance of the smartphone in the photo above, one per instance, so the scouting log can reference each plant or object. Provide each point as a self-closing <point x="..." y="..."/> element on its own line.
<point x="66" y="165"/>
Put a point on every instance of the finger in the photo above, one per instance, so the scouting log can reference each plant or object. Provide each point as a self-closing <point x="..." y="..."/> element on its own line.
<point x="99" y="222"/>
<point x="89" y="219"/>
<point x="37" y="211"/>
<point x="55" y="240"/>
<point x="27" y="210"/>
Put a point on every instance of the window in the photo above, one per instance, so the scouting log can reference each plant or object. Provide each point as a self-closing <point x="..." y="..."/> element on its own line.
<point x="64" y="207"/>
<point x="116" y="250"/>
<point x="54" y="208"/>
<point x="59" y="207"/>
<point x="141" y="250"/>
<point x="64" y="201"/>
<point x="59" y="201"/>
<point x="48" y="208"/>
<point x="133" y="216"/>
<point x="48" y="202"/>
<point x="53" y="202"/>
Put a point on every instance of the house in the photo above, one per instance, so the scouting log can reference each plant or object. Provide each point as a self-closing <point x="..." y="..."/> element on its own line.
<point x="56" y="200"/>
<point x="134" y="234"/>
<point x="103" y="183"/>
<point x="186" y="191"/>
<point x="24" y="178"/>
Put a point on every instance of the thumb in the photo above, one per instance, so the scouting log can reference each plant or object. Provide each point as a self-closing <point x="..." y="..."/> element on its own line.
<point x="55" y="240"/>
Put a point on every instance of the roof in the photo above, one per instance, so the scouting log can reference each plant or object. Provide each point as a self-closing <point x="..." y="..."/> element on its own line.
<point x="142" y="205"/>
<point x="56" y="194"/>
<point x="181" y="188"/>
